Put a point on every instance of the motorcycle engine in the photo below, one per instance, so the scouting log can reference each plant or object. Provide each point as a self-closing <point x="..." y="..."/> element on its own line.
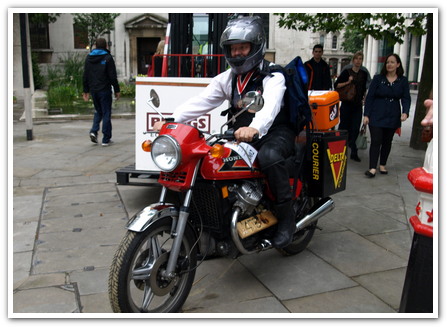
<point x="248" y="195"/>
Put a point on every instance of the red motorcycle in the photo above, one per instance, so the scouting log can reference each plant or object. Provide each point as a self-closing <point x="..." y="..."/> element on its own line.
<point x="224" y="208"/>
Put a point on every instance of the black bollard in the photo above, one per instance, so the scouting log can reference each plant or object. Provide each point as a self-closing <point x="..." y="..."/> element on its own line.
<point x="417" y="295"/>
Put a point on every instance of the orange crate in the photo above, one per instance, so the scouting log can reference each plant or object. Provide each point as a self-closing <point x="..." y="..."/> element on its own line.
<point x="325" y="109"/>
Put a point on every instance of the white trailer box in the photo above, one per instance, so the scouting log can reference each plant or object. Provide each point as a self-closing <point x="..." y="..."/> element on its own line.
<point x="172" y="92"/>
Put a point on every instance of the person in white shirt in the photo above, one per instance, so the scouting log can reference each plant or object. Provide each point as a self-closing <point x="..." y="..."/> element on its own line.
<point x="269" y="130"/>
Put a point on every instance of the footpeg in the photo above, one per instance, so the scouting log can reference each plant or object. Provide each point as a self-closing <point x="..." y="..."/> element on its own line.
<point x="265" y="244"/>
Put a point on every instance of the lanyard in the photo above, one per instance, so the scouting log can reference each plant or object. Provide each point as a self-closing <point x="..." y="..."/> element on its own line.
<point x="241" y="84"/>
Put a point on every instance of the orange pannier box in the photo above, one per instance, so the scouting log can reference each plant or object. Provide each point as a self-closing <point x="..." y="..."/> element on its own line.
<point x="325" y="107"/>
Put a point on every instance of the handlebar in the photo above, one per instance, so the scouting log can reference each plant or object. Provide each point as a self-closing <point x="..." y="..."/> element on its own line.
<point x="229" y="135"/>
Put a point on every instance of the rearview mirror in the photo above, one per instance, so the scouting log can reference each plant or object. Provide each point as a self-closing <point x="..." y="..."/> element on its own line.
<point x="154" y="98"/>
<point x="253" y="101"/>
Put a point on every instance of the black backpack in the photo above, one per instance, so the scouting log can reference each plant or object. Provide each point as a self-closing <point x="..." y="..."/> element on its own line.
<point x="296" y="100"/>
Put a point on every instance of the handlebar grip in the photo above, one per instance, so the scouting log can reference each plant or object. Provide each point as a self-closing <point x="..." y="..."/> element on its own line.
<point x="255" y="137"/>
<point x="229" y="134"/>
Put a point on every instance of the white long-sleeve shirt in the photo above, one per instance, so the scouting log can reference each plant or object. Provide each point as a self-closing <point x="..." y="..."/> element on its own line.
<point x="220" y="90"/>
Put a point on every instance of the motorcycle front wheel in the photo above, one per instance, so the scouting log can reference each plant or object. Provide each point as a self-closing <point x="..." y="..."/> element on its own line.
<point x="136" y="279"/>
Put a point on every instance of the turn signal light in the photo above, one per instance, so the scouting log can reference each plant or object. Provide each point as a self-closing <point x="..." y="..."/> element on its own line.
<point x="217" y="151"/>
<point x="147" y="146"/>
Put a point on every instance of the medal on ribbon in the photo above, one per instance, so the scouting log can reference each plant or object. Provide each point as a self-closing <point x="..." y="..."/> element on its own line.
<point x="241" y="85"/>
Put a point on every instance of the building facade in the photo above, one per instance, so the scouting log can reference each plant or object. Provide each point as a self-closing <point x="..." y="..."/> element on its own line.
<point x="136" y="35"/>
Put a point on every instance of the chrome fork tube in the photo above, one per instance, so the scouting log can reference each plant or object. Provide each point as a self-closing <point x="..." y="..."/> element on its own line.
<point x="163" y="192"/>
<point x="180" y="228"/>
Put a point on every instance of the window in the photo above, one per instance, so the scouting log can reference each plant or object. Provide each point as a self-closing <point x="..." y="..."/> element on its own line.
<point x="38" y="31"/>
<point x="200" y="34"/>
<point x="334" y="42"/>
<point x="385" y="48"/>
<point x="80" y="36"/>
<point x="322" y="40"/>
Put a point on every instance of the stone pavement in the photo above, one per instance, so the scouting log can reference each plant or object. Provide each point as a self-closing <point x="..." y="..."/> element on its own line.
<point x="69" y="214"/>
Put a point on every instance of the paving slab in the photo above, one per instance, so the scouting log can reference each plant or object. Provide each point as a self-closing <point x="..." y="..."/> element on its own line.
<point x="68" y="260"/>
<point x="82" y="223"/>
<point x="80" y="189"/>
<point x="56" y="299"/>
<point x="398" y="242"/>
<point x="295" y="276"/>
<point x="328" y="224"/>
<point x="88" y="209"/>
<point x="223" y="281"/>
<point x="96" y="303"/>
<point x="91" y="281"/>
<point x="46" y="280"/>
<point x="78" y="239"/>
<point x="21" y="267"/>
<point x="26" y="207"/>
<point x="24" y="233"/>
<point x="86" y="197"/>
<point x="366" y="221"/>
<point x="265" y="305"/>
<point x="349" y="300"/>
<point x="354" y="255"/>
<point x="386" y="285"/>
<point x="138" y="197"/>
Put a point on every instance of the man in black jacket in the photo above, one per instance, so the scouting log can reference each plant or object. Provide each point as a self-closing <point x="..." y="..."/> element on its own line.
<point x="318" y="70"/>
<point x="99" y="77"/>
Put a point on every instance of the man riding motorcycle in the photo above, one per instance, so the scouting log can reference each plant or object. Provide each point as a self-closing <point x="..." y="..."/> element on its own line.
<point x="269" y="130"/>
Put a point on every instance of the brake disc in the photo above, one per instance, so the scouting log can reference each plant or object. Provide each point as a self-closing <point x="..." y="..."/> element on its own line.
<point x="160" y="285"/>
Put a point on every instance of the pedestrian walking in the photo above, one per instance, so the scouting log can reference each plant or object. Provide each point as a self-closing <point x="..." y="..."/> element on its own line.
<point x="387" y="105"/>
<point x="318" y="70"/>
<point x="99" y="78"/>
<point x="351" y="112"/>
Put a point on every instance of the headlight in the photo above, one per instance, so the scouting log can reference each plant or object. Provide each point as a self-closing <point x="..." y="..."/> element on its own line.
<point x="166" y="153"/>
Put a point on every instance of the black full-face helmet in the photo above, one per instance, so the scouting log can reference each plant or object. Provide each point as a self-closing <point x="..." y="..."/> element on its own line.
<point x="241" y="30"/>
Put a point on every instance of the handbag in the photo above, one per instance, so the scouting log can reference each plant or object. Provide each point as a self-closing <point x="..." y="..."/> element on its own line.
<point x="347" y="92"/>
<point x="362" y="140"/>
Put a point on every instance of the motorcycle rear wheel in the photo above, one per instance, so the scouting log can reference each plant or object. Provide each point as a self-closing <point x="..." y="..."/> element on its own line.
<point x="136" y="283"/>
<point x="302" y="238"/>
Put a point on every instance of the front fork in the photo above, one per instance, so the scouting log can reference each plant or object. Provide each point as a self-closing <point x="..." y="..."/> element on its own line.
<point x="178" y="229"/>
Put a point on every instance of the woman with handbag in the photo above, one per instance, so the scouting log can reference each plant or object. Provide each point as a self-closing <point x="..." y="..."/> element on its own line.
<point x="351" y="85"/>
<point x="387" y="105"/>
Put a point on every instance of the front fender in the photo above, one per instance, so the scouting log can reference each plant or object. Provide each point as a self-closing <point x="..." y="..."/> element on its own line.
<point x="143" y="219"/>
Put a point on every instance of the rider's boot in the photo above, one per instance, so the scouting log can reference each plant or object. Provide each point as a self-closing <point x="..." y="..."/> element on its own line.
<point x="286" y="225"/>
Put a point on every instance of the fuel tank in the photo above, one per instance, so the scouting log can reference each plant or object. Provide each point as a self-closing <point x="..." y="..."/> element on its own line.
<point x="230" y="166"/>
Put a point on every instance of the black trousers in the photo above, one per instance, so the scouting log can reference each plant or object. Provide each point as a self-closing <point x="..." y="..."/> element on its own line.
<point x="273" y="150"/>
<point x="350" y="120"/>
<point x="381" y="139"/>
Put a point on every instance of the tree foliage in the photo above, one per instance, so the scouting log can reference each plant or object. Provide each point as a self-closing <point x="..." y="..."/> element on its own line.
<point x="390" y="26"/>
<point x="43" y="18"/>
<point x="352" y="40"/>
<point x="97" y="24"/>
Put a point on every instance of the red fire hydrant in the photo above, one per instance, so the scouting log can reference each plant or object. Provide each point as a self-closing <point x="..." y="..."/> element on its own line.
<point x="417" y="295"/>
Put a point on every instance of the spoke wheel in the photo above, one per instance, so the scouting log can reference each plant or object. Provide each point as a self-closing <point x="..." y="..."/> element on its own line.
<point x="137" y="282"/>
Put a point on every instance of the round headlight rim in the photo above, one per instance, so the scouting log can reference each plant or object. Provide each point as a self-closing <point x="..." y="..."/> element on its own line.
<point x="177" y="149"/>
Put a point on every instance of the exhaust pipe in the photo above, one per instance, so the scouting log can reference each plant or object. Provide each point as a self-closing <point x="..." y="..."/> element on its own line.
<point x="321" y="208"/>
<point x="235" y="235"/>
